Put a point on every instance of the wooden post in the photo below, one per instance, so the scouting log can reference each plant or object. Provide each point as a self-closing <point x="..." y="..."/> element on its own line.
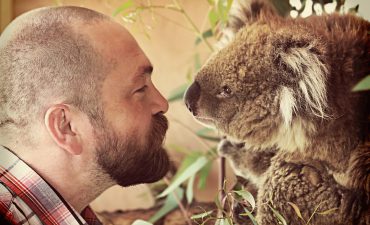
<point x="6" y="13"/>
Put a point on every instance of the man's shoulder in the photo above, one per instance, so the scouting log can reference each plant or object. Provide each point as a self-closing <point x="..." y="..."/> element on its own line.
<point x="6" y="197"/>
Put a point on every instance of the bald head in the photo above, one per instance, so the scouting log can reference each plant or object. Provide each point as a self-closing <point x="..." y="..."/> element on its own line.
<point x="47" y="55"/>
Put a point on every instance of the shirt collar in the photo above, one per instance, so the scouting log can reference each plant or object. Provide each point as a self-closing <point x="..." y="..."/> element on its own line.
<point x="41" y="197"/>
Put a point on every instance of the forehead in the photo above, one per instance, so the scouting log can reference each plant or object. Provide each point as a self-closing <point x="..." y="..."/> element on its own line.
<point x="117" y="46"/>
<point x="112" y="40"/>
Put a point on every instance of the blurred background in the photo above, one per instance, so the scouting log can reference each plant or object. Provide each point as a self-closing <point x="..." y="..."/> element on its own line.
<point x="176" y="54"/>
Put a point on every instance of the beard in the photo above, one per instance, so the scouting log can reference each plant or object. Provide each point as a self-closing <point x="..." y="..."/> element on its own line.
<point x="128" y="162"/>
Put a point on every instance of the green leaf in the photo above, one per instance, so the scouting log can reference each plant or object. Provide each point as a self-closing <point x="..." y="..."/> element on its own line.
<point x="247" y="196"/>
<point x="329" y="211"/>
<point x="278" y="216"/>
<point x="123" y="7"/>
<point x="168" y="206"/>
<point x="206" y="34"/>
<point x="213" y="18"/>
<point x="203" y="133"/>
<point x="221" y="7"/>
<point x="363" y="85"/>
<point x="186" y="162"/>
<point x="201" y="215"/>
<point x="189" y="189"/>
<point x="178" y="93"/>
<point x="251" y="217"/>
<point x="203" y="174"/>
<point x="141" y="222"/>
<point x="223" y="221"/>
<point x="296" y="209"/>
<point x="187" y="173"/>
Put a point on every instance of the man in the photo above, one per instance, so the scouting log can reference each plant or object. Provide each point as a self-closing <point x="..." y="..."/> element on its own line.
<point x="78" y="114"/>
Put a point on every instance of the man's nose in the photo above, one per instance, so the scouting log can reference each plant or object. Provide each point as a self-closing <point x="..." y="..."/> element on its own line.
<point x="160" y="103"/>
<point x="191" y="97"/>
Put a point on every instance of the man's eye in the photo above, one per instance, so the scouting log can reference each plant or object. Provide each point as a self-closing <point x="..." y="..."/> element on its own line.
<point x="142" y="89"/>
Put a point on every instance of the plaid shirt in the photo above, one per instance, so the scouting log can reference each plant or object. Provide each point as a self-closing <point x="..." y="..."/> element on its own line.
<point x="26" y="198"/>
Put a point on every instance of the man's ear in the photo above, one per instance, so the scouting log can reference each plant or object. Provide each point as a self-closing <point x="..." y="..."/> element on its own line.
<point x="58" y="121"/>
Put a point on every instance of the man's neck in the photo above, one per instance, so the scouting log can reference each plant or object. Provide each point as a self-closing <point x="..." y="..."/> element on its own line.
<point x="73" y="177"/>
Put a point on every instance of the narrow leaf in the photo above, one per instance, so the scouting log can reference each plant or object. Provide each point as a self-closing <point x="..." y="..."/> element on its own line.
<point x="296" y="209"/>
<point x="123" y="7"/>
<point x="329" y="211"/>
<point x="188" y="172"/>
<point x="203" y="174"/>
<point x="204" y="133"/>
<point x="186" y="162"/>
<point x="223" y="221"/>
<point x="251" y="217"/>
<point x="213" y="18"/>
<point x="141" y="222"/>
<point x="189" y="189"/>
<point x="247" y="196"/>
<point x="278" y="216"/>
<point x="363" y="85"/>
<point x="178" y="93"/>
<point x="201" y="215"/>
<point x="168" y="205"/>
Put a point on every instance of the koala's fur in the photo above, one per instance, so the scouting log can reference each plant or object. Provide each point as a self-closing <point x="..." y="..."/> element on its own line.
<point x="283" y="87"/>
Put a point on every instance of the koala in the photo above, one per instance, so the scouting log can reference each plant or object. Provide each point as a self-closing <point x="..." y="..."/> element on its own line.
<point x="283" y="88"/>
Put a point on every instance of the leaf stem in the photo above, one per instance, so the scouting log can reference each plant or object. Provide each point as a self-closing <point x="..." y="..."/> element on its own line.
<point x="181" y="205"/>
<point x="192" y="24"/>
<point x="221" y="183"/>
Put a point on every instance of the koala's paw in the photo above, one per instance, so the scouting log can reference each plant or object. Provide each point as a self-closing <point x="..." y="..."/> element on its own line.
<point x="311" y="189"/>
<point x="312" y="175"/>
<point x="226" y="148"/>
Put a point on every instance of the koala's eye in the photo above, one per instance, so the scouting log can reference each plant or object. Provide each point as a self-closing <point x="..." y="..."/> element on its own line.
<point x="225" y="92"/>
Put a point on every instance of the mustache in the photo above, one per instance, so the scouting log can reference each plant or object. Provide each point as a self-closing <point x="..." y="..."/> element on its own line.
<point x="159" y="128"/>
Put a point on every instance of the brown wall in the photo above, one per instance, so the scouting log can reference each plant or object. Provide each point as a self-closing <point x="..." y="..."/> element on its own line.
<point x="171" y="49"/>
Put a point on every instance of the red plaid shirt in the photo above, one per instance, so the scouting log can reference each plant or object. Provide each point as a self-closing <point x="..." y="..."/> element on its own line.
<point x="26" y="198"/>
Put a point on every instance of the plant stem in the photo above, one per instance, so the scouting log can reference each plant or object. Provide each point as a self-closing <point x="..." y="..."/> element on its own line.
<point x="173" y="21"/>
<point x="149" y="7"/>
<point x="192" y="24"/>
<point x="181" y="206"/>
<point x="314" y="212"/>
<point x="221" y="185"/>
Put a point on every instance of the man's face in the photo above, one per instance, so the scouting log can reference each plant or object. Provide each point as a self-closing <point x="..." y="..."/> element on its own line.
<point x="130" y="135"/>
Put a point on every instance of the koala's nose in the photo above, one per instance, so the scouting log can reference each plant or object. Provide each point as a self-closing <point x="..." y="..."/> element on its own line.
<point x="192" y="97"/>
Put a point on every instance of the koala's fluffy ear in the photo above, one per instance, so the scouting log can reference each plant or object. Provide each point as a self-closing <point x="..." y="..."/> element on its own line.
<point x="242" y="13"/>
<point x="303" y="62"/>
<point x="245" y="12"/>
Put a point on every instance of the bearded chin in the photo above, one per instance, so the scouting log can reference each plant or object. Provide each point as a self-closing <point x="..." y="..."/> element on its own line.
<point x="127" y="162"/>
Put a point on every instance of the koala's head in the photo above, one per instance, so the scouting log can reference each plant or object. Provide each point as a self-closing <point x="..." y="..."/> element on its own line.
<point x="268" y="80"/>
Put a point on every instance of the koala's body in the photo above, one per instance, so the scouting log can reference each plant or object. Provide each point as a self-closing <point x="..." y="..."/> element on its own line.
<point x="283" y="87"/>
